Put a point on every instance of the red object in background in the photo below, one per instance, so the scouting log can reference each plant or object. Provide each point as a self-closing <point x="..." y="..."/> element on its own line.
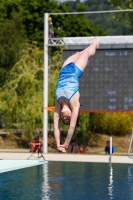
<point x="35" y="146"/>
<point x="81" y="150"/>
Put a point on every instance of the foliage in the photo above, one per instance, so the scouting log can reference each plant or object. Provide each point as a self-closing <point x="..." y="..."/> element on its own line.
<point x="12" y="40"/>
<point x="55" y="64"/>
<point x="21" y="96"/>
<point x="114" y="123"/>
<point x="32" y="13"/>
<point x="82" y="133"/>
<point x="112" y="23"/>
<point x="79" y="25"/>
<point x="127" y="15"/>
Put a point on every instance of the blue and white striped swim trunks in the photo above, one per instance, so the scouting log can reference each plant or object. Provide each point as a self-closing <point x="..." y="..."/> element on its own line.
<point x="67" y="83"/>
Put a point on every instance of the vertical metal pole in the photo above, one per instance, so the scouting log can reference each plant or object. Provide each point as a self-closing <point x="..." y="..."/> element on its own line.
<point x="130" y="145"/>
<point x="45" y="86"/>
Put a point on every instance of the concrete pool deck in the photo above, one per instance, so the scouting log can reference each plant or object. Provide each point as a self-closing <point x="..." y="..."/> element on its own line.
<point x="66" y="157"/>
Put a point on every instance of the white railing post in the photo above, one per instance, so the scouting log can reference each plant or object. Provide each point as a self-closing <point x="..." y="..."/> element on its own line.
<point x="45" y="86"/>
<point x="130" y="145"/>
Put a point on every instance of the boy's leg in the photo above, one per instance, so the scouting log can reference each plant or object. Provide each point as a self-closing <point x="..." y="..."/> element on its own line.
<point x="82" y="60"/>
<point x="72" y="58"/>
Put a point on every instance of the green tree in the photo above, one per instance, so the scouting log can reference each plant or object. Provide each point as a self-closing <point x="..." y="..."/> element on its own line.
<point x="32" y="13"/>
<point x="127" y="15"/>
<point x="21" y="97"/>
<point x="107" y="21"/>
<point x="12" y="44"/>
<point x="75" y="25"/>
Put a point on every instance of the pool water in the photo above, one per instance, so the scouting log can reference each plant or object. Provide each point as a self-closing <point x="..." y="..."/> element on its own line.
<point x="69" y="181"/>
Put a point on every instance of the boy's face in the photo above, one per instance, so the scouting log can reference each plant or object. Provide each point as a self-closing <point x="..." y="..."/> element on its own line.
<point x="66" y="115"/>
<point x="108" y="144"/>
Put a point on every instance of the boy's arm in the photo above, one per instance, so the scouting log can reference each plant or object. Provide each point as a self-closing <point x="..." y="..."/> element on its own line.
<point x="56" y="123"/>
<point x="73" y="122"/>
<point x="113" y="150"/>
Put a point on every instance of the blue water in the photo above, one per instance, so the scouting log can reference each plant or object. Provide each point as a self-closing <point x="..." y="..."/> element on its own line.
<point x="69" y="181"/>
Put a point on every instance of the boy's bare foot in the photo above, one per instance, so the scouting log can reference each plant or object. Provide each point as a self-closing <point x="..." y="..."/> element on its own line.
<point x="61" y="149"/>
<point x="96" y="42"/>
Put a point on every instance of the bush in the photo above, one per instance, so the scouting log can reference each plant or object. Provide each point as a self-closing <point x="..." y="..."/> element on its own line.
<point x="114" y="124"/>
